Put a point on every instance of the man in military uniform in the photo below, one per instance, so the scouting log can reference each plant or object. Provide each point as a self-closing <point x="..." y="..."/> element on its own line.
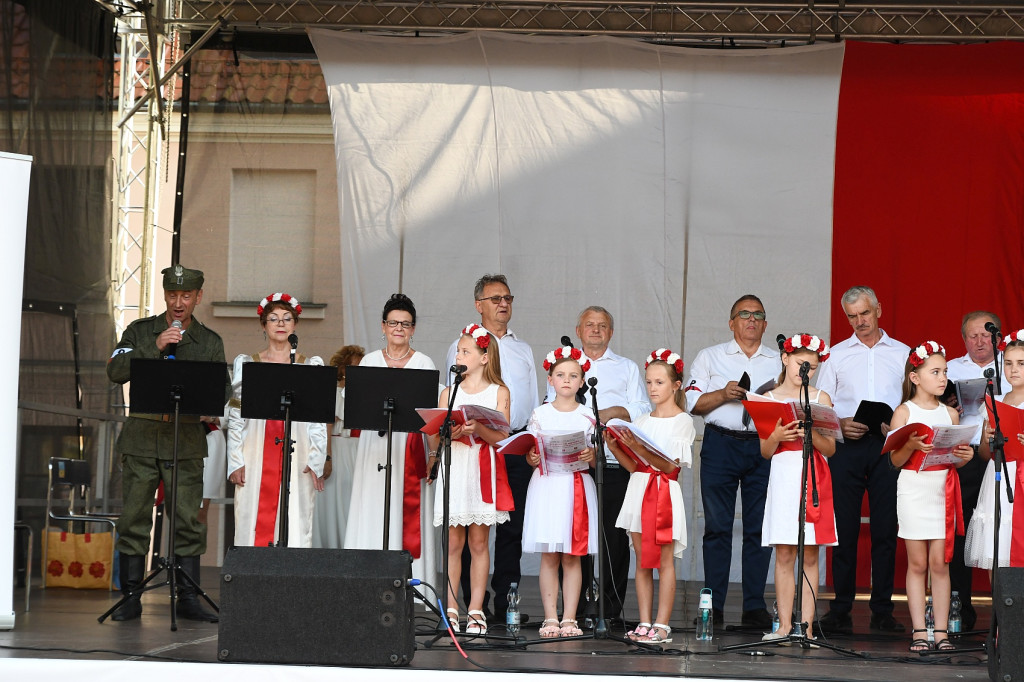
<point x="146" y="444"/>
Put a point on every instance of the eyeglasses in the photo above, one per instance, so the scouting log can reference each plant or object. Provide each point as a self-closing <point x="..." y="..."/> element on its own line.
<point x="508" y="298"/>
<point x="394" y="323"/>
<point x="280" y="320"/>
<point x="745" y="315"/>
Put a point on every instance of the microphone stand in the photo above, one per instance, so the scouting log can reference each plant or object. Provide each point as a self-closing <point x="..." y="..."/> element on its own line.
<point x="287" y="449"/>
<point x="444" y="449"/>
<point x="601" y="627"/>
<point x="798" y="635"/>
<point x="1001" y="472"/>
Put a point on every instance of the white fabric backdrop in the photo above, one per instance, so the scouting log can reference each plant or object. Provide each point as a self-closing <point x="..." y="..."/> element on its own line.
<point x="659" y="182"/>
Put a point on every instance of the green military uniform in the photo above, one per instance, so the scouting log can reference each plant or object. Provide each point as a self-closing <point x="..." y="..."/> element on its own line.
<point x="146" y="442"/>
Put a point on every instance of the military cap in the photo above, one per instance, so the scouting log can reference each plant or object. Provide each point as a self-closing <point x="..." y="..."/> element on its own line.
<point x="178" y="278"/>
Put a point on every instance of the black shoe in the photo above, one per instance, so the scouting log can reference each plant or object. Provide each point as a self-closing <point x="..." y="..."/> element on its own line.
<point x="130" y="610"/>
<point x="833" y="623"/>
<point x="757" y="618"/>
<point x="884" y="622"/>
<point x="189" y="608"/>
<point x="718" y="618"/>
<point x="133" y="568"/>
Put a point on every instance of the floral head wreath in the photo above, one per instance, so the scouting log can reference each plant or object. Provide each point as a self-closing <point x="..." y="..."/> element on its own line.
<point x="1015" y="336"/>
<point x="282" y="298"/>
<point x="481" y="337"/>
<point x="921" y="353"/>
<point x="566" y="353"/>
<point x="807" y="342"/>
<point x="668" y="357"/>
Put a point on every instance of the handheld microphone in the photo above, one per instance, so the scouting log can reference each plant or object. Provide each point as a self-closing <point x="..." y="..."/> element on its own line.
<point x="294" y="341"/>
<point x="566" y="341"/>
<point x="781" y="340"/>
<point x="172" y="348"/>
<point x="992" y="329"/>
<point x="457" y="369"/>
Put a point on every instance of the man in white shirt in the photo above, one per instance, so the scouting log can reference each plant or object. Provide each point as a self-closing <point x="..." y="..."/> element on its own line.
<point x="493" y="300"/>
<point x="867" y="366"/>
<point x="730" y="457"/>
<point x="621" y="393"/>
<point x="980" y="357"/>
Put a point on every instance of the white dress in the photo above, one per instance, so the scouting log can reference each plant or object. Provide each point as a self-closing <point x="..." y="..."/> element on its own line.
<point x="547" y="522"/>
<point x="245" y="448"/>
<point x="365" y="524"/>
<point x="466" y="504"/>
<point x="674" y="435"/>
<point x="331" y="513"/>
<point x="978" y="548"/>
<point x="921" y="495"/>
<point x="782" y="506"/>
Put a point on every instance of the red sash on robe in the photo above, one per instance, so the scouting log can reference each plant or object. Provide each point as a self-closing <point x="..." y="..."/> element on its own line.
<point x="415" y="471"/>
<point x="270" y="484"/>
<point x="504" y="501"/>
<point x="655" y="515"/>
<point x="954" y="503"/>
<point x="822" y="517"/>
<point x="580" y="517"/>
<point x="1017" y="523"/>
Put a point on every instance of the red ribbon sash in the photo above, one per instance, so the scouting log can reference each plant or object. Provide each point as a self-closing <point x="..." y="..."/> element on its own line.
<point x="580" y="517"/>
<point x="415" y="471"/>
<point x="655" y="515"/>
<point x="822" y="517"/>
<point x="504" y="500"/>
<point x="1017" y="524"/>
<point x="270" y="484"/>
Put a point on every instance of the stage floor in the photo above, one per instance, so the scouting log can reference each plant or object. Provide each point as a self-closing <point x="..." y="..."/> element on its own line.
<point x="60" y="635"/>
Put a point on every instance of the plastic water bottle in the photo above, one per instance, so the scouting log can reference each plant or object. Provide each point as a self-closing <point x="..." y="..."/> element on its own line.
<point x="929" y="620"/>
<point x="705" y="620"/>
<point x="955" y="620"/>
<point x="512" y="615"/>
<point x="775" y="616"/>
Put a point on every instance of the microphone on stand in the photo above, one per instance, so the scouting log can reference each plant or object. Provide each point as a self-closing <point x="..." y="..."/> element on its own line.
<point x="992" y="329"/>
<point x="566" y="341"/>
<point x="294" y="341"/>
<point x="805" y="369"/>
<point x="172" y="348"/>
<point x="781" y="340"/>
<point x="457" y="369"/>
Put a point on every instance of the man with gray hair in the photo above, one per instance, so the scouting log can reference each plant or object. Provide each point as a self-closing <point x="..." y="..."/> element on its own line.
<point x="980" y="357"/>
<point x="867" y="366"/>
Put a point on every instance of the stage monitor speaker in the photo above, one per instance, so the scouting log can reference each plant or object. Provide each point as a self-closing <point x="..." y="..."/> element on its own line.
<point x="316" y="606"/>
<point x="1006" y="663"/>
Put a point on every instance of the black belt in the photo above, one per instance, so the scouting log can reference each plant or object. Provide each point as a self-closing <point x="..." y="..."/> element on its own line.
<point x="732" y="433"/>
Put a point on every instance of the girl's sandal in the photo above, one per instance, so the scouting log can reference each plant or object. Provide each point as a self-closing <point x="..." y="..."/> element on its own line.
<point x="453" y="619"/>
<point x="476" y="624"/>
<point x="570" y="628"/>
<point x="919" y="644"/>
<point x="944" y="644"/>
<point x="549" y="628"/>
<point x="640" y="632"/>
<point x="655" y="636"/>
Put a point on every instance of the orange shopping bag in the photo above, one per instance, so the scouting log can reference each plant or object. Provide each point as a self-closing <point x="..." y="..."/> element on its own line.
<point x="80" y="560"/>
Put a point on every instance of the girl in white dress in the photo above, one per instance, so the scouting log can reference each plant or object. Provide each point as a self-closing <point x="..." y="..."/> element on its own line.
<point x="560" y="521"/>
<point x="254" y="459"/>
<point x="921" y="498"/>
<point x="784" y="448"/>
<point x="652" y="509"/>
<point x="479" y="496"/>
<point x="978" y="550"/>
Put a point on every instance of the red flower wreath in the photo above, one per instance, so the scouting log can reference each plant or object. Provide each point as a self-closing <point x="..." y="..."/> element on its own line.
<point x="1015" y="336"/>
<point x="283" y="298"/>
<point x="807" y="342"/>
<point x="921" y="353"/>
<point x="668" y="357"/>
<point x="481" y="337"/>
<point x="563" y="353"/>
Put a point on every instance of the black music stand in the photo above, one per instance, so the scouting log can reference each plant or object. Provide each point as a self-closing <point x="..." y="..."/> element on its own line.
<point x="289" y="393"/>
<point x="181" y="387"/>
<point x="384" y="399"/>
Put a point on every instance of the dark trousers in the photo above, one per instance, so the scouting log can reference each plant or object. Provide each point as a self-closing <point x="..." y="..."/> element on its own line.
<point x="616" y="547"/>
<point x="725" y="464"/>
<point x="857" y="467"/>
<point x="508" y="540"/>
<point x="961" y="575"/>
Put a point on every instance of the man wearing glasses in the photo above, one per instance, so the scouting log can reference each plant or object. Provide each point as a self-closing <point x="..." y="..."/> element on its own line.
<point x="493" y="300"/>
<point x="731" y="456"/>
<point x="867" y="366"/>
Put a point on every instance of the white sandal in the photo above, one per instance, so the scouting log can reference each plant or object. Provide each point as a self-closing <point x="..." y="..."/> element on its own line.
<point x="640" y="632"/>
<point x="655" y="637"/>
<point x="549" y="628"/>
<point x="569" y="627"/>
<point x="453" y="619"/>
<point x="476" y="624"/>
